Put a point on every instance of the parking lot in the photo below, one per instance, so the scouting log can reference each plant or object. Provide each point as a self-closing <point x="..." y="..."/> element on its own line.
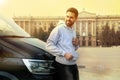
<point x="99" y="63"/>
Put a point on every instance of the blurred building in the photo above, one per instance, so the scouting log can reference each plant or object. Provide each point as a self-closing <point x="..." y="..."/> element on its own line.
<point x="88" y="26"/>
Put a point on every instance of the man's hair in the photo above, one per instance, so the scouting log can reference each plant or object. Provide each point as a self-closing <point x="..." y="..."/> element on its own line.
<point x="73" y="10"/>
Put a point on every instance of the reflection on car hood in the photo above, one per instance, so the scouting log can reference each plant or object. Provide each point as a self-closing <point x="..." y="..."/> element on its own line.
<point x="35" y="42"/>
<point x="8" y="27"/>
<point x="26" y="47"/>
<point x="22" y="41"/>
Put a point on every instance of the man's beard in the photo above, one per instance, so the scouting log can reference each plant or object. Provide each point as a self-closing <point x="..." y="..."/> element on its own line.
<point x="69" y="23"/>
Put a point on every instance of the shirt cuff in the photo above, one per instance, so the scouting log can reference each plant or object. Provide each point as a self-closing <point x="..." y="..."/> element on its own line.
<point x="63" y="53"/>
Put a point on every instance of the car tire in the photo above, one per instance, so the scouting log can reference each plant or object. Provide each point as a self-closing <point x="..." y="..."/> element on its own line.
<point x="7" y="76"/>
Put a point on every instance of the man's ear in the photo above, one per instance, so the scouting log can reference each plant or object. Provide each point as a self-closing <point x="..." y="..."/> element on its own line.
<point x="76" y="18"/>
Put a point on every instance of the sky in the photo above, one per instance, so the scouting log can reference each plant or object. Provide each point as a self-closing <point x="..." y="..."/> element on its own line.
<point x="57" y="7"/>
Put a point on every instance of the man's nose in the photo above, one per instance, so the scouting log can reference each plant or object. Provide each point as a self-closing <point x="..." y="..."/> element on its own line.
<point x="68" y="18"/>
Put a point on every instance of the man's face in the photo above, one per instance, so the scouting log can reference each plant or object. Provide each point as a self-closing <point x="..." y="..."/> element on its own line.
<point x="70" y="19"/>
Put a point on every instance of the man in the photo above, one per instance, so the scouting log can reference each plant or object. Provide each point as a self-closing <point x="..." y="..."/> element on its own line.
<point x="62" y="43"/>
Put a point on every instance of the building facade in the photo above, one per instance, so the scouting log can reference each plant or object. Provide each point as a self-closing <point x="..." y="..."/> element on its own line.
<point x="88" y="26"/>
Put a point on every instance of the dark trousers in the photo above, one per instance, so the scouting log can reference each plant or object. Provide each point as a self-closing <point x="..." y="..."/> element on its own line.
<point x="66" y="72"/>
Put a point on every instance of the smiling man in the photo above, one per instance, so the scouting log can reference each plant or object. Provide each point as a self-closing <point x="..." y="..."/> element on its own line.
<point x="62" y="43"/>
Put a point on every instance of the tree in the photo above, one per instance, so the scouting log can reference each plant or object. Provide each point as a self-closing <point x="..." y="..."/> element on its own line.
<point x="105" y="35"/>
<point x="51" y="28"/>
<point x="41" y="32"/>
<point x="117" y="38"/>
<point x="44" y="35"/>
<point x="112" y="37"/>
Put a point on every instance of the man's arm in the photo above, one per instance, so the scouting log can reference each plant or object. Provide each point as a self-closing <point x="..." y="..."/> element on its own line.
<point x="52" y="43"/>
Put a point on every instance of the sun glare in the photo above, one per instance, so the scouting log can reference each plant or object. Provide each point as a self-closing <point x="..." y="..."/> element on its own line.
<point x="2" y="2"/>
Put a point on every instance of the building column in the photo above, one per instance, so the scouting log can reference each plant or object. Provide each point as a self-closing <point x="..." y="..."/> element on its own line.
<point x="92" y="28"/>
<point x="80" y="28"/>
<point x="86" y="37"/>
<point x="86" y="26"/>
<point x="94" y="34"/>
<point x="24" y="26"/>
<point x="29" y="27"/>
<point x="81" y="35"/>
<point x="75" y="26"/>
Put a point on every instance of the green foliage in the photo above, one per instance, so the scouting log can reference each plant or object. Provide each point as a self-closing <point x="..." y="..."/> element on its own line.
<point x="105" y="35"/>
<point x="109" y="37"/>
<point x="112" y="36"/>
<point x="42" y="34"/>
<point x="51" y="27"/>
<point x="118" y="38"/>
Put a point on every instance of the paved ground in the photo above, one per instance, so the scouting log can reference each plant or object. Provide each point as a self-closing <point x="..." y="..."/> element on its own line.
<point x="99" y="63"/>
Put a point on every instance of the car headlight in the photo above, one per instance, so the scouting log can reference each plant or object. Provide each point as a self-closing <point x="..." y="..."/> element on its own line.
<point x="39" y="66"/>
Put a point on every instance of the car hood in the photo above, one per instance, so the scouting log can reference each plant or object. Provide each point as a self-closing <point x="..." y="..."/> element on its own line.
<point x="28" y="47"/>
<point x="31" y="41"/>
<point x="35" y="42"/>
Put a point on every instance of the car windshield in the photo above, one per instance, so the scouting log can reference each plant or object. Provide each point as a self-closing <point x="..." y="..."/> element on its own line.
<point x="9" y="28"/>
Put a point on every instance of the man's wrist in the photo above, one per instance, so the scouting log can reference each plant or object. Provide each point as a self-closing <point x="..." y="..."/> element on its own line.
<point x="63" y="53"/>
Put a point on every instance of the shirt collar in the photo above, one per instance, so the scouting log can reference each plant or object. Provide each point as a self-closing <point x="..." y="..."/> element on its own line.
<point x="61" y="22"/>
<point x="71" y="29"/>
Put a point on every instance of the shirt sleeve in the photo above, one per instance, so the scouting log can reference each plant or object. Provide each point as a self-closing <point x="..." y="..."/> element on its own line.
<point x="74" y="35"/>
<point x="52" y="43"/>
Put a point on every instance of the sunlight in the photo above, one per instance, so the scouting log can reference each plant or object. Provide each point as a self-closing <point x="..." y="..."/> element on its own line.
<point x="2" y="2"/>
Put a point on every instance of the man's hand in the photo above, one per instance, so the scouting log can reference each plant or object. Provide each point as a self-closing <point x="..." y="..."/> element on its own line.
<point x="75" y="41"/>
<point x="68" y="56"/>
